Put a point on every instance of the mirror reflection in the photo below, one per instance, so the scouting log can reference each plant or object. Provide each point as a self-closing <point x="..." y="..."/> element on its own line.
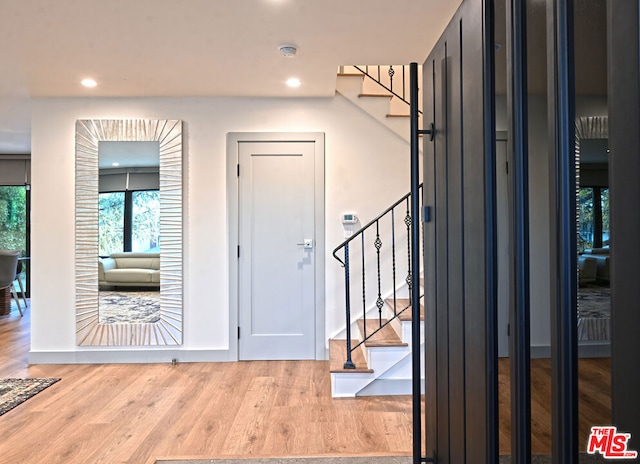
<point x="594" y="293"/>
<point x="129" y="232"/>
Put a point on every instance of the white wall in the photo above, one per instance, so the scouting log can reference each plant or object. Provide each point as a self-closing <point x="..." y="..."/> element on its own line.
<point x="367" y="168"/>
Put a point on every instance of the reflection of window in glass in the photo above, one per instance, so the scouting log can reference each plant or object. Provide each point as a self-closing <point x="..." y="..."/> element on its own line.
<point x="13" y="222"/>
<point x="110" y="223"/>
<point x="593" y="221"/>
<point x="145" y="225"/>
<point x="13" y="218"/>
<point x="129" y="221"/>
<point x="604" y="193"/>
<point x="585" y="224"/>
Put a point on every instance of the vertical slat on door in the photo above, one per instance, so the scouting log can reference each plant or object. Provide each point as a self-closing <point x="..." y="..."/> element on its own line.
<point x="520" y="311"/>
<point x="431" y="237"/>
<point x="624" y="172"/>
<point x="461" y="424"/>
<point x="564" y="284"/>
<point x="452" y="73"/>
<point x="441" y="253"/>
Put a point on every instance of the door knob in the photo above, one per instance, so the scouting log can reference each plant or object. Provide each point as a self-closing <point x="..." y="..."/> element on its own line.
<point x="307" y="244"/>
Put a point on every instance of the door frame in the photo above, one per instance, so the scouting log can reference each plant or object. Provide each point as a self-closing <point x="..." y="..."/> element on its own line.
<point x="233" y="216"/>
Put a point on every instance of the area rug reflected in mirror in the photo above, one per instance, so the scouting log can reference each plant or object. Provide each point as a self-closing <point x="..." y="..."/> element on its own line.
<point x="594" y="298"/>
<point x="129" y="306"/>
<point x="16" y="391"/>
<point x="594" y="312"/>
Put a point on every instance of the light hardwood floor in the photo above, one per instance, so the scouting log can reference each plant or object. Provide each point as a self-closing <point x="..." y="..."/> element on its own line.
<point x="137" y="413"/>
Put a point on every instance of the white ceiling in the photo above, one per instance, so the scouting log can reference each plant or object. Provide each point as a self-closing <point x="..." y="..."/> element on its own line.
<point x="197" y="48"/>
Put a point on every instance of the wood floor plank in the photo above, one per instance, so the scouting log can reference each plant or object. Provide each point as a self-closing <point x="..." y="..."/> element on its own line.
<point x="133" y="414"/>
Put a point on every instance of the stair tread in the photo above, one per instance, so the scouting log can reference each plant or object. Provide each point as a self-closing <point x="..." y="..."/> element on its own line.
<point x="395" y="115"/>
<point x="406" y="315"/>
<point x="387" y="336"/>
<point x="338" y="355"/>
<point x="350" y="74"/>
<point x="402" y="303"/>
<point x="375" y="95"/>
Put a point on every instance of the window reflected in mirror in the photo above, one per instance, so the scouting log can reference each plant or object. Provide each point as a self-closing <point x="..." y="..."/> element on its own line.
<point x="129" y="221"/>
<point x="593" y="204"/>
<point x="110" y="223"/>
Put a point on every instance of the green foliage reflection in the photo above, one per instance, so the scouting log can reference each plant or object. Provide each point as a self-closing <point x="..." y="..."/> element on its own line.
<point x="143" y="220"/>
<point x="13" y="218"/>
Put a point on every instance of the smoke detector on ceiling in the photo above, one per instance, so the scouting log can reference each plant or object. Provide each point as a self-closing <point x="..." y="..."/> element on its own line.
<point x="288" y="50"/>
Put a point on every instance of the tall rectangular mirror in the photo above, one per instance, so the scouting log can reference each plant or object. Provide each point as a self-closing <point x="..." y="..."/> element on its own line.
<point x="129" y="232"/>
<point x="592" y="201"/>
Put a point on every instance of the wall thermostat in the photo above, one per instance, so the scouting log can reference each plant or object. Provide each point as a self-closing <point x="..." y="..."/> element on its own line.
<point x="349" y="218"/>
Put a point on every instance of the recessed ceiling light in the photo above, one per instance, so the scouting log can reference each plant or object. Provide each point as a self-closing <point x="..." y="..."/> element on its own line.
<point x="89" y="82"/>
<point x="293" y="82"/>
<point x="115" y="164"/>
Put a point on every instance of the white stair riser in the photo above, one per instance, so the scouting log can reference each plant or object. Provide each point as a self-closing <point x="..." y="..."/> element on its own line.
<point x="347" y="385"/>
<point x="381" y="359"/>
<point x="403" y="368"/>
<point x="406" y="336"/>
<point x="397" y="371"/>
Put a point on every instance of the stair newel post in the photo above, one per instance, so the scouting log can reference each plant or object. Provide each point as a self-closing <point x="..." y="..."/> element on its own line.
<point x="349" y="362"/>
<point x="415" y="266"/>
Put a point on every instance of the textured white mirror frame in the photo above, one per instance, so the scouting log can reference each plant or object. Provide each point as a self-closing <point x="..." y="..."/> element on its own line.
<point x="168" y="329"/>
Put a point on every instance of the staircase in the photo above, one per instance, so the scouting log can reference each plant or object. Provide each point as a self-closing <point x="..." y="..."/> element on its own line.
<point x="382" y="362"/>
<point x="380" y="91"/>
<point x="372" y="356"/>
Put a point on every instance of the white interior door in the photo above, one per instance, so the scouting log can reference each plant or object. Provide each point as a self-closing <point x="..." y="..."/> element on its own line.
<point x="277" y="246"/>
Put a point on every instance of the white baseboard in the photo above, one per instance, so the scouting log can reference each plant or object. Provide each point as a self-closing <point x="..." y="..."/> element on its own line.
<point x="127" y="356"/>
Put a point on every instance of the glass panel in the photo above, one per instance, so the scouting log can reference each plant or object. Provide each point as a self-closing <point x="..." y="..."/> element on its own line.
<point x="145" y="227"/>
<point x="110" y="223"/>
<point x="13" y="223"/>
